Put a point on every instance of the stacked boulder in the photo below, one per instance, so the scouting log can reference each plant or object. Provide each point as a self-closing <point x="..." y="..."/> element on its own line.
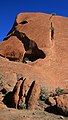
<point x="60" y="102"/>
<point x="25" y="95"/>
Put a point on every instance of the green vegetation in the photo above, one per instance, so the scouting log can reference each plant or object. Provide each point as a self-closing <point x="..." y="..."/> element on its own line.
<point x="59" y="91"/>
<point x="22" y="106"/>
<point x="43" y="93"/>
<point x="17" y="60"/>
<point x="1" y="80"/>
<point x="26" y="59"/>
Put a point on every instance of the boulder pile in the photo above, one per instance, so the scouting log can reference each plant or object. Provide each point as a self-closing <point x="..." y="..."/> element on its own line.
<point x="25" y="95"/>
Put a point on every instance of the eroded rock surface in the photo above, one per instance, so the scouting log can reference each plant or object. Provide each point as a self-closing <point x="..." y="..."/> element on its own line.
<point x="29" y="41"/>
<point x="16" y="92"/>
<point x="62" y="104"/>
<point x="23" y="95"/>
<point x="32" y="96"/>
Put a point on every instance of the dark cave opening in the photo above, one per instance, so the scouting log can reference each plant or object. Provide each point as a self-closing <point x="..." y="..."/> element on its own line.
<point x="23" y="22"/>
<point x="32" y="50"/>
<point x="38" y="54"/>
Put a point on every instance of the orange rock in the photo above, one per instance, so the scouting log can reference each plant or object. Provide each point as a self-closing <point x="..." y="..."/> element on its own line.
<point x="12" y="49"/>
<point x="32" y="95"/>
<point x="16" y="92"/>
<point x="1" y="96"/>
<point x="52" y="70"/>
<point x="62" y="104"/>
<point x="23" y="91"/>
<point x="51" y="101"/>
<point x="3" y="106"/>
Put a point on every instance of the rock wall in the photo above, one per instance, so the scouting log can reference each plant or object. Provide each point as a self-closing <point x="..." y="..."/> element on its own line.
<point x="51" y="70"/>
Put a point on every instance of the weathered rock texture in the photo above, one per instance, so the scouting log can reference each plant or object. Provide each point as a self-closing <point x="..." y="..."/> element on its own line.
<point x="16" y="91"/>
<point x="22" y="94"/>
<point x="23" y="91"/>
<point x="32" y="96"/>
<point x="47" y="60"/>
<point x="12" y="49"/>
<point x="62" y="104"/>
<point x="30" y="38"/>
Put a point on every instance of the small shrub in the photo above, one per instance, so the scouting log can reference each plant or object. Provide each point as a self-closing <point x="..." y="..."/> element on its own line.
<point x="42" y="93"/>
<point x="22" y="106"/>
<point x="59" y="91"/>
<point x="17" y="60"/>
<point x="25" y="60"/>
<point x="1" y="80"/>
<point x="42" y="89"/>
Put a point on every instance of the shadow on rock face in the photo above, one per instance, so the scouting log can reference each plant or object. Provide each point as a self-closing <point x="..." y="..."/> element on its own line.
<point x="32" y="51"/>
<point x="55" y="110"/>
<point x="23" y="22"/>
<point x="29" y="93"/>
<point x="39" y="54"/>
<point x="51" y="109"/>
<point x="8" y="99"/>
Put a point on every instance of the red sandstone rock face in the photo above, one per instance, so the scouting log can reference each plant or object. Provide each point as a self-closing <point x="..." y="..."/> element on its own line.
<point x="51" y="101"/>
<point x="50" y="70"/>
<point x="24" y="90"/>
<point x="1" y="97"/>
<point x="16" y="91"/>
<point x="24" y="94"/>
<point x="32" y="96"/>
<point x="62" y="103"/>
<point x="12" y="49"/>
<point x="48" y="59"/>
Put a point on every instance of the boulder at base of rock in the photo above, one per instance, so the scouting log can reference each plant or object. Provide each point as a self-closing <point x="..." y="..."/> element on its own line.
<point x="12" y="49"/>
<point x="51" y="101"/>
<point x="16" y="92"/>
<point x="23" y="92"/>
<point x="32" y="96"/>
<point x="62" y="104"/>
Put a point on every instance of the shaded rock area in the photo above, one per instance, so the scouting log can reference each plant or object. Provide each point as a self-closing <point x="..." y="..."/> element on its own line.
<point x="23" y="95"/>
<point x="32" y="96"/>
<point x="62" y="104"/>
<point x="26" y="48"/>
<point x="29" y="41"/>
<point x="29" y="58"/>
<point x="12" y="49"/>
<point x="15" y="93"/>
<point x="26" y="96"/>
<point x="58" y="103"/>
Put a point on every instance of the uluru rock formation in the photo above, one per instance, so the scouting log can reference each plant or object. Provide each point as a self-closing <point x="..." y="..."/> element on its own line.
<point x="28" y="51"/>
<point x="30" y="38"/>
